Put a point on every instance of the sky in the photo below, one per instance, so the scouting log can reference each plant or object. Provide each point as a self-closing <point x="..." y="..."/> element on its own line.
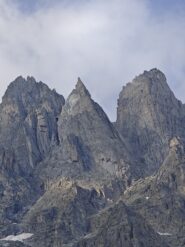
<point x="104" y="42"/>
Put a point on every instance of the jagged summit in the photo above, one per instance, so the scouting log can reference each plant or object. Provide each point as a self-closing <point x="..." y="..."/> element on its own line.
<point x="148" y="116"/>
<point x="79" y="100"/>
<point x="21" y="86"/>
<point x="26" y="107"/>
<point x="65" y="168"/>
<point x="88" y="135"/>
<point x="81" y="89"/>
<point x="22" y="81"/>
<point x="149" y="81"/>
<point x="154" y="80"/>
<point x="28" y="94"/>
<point x="79" y="84"/>
<point x="27" y="87"/>
<point x="153" y="73"/>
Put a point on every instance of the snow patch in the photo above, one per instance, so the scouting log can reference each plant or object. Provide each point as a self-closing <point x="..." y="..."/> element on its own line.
<point x="21" y="237"/>
<point x="164" y="234"/>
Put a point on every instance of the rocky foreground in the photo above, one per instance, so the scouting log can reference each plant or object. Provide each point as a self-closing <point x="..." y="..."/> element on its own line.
<point x="70" y="177"/>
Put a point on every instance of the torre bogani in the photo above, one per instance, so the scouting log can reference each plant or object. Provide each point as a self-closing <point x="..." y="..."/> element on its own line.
<point x="70" y="177"/>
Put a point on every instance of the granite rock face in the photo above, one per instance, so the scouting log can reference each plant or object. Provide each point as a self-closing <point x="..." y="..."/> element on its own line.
<point x="90" y="146"/>
<point x="62" y="215"/>
<point x="88" y="129"/>
<point x="160" y="198"/>
<point x="89" y="169"/>
<point x="28" y="120"/>
<point x="148" y="116"/>
<point x="72" y="178"/>
<point x="28" y="130"/>
<point x="120" y="226"/>
<point x="76" y="214"/>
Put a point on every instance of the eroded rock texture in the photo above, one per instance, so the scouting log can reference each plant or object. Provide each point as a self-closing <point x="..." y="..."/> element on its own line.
<point x="148" y="116"/>
<point x="28" y="131"/>
<point x="72" y="178"/>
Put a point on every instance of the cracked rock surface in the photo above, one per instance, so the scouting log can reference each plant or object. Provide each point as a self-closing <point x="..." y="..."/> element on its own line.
<point x="70" y="177"/>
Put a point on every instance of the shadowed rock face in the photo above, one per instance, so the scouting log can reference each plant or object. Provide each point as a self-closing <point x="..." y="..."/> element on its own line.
<point x="72" y="178"/>
<point x="28" y="120"/>
<point x="70" y="211"/>
<point x="90" y="146"/>
<point x="28" y="130"/>
<point x="62" y="214"/>
<point x="120" y="226"/>
<point x="160" y="199"/>
<point x="148" y="116"/>
<point x="86" y="125"/>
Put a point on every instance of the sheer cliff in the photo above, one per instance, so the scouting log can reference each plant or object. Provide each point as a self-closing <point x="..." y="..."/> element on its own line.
<point x="69" y="177"/>
<point x="148" y="116"/>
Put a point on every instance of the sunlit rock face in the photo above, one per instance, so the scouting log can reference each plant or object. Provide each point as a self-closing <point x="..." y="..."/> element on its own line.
<point x="86" y="126"/>
<point x="148" y="116"/>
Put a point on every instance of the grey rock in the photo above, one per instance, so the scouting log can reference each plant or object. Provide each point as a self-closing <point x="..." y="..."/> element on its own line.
<point x="76" y="214"/>
<point x="62" y="214"/>
<point x="90" y="146"/>
<point x="92" y="151"/>
<point x="28" y="131"/>
<point x="148" y="116"/>
<point x="12" y="244"/>
<point x="68" y="175"/>
<point x="28" y="119"/>
<point x="120" y="226"/>
<point x="160" y="198"/>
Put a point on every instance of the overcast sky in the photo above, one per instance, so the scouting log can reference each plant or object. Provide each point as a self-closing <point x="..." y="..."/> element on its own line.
<point x="105" y="42"/>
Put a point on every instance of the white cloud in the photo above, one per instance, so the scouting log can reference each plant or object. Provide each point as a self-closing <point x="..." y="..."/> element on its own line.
<point x="104" y="42"/>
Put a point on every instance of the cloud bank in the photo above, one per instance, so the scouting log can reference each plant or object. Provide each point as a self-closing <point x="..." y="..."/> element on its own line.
<point x="104" y="42"/>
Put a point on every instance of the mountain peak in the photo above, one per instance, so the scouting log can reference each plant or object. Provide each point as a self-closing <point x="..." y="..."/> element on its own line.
<point x="31" y="79"/>
<point x="153" y="76"/>
<point x="149" y="114"/>
<point x="79" y="83"/>
<point x="81" y="89"/>
<point x="25" y="86"/>
<point x="20" y="80"/>
<point x="154" y="71"/>
<point x="28" y="94"/>
<point x="150" y="84"/>
<point x="20" y="84"/>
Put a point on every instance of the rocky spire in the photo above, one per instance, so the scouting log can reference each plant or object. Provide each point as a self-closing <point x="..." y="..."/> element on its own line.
<point x="148" y="116"/>
<point x="87" y="135"/>
<point x="28" y="130"/>
<point x="60" y="162"/>
<point x="81" y="89"/>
